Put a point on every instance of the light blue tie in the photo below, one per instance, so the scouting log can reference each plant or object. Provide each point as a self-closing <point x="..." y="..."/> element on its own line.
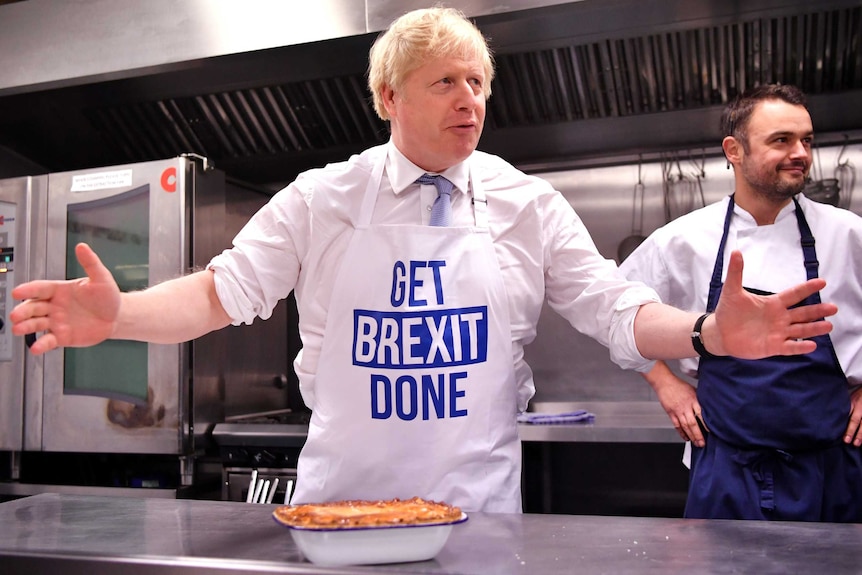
<point x="441" y="211"/>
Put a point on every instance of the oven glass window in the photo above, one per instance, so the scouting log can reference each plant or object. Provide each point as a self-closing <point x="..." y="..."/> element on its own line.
<point x="118" y="229"/>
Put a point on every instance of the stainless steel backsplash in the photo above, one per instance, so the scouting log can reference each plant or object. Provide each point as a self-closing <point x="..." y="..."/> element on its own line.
<point x="569" y="366"/>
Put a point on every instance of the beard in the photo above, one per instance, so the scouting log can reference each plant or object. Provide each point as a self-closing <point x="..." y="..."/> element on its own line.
<point x="769" y="183"/>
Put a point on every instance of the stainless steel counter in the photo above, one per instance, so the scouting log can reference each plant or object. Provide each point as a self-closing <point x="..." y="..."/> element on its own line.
<point x="69" y="534"/>
<point x="615" y="422"/>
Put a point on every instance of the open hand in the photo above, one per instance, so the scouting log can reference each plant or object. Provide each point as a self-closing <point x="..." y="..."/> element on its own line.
<point x="753" y="326"/>
<point x="72" y="313"/>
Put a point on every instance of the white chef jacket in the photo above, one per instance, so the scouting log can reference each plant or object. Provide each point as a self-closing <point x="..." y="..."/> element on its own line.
<point x="542" y="246"/>
<point x="677" y="260"/>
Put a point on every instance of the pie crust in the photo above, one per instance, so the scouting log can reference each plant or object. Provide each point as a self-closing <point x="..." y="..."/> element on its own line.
<point x="359" y="513"/>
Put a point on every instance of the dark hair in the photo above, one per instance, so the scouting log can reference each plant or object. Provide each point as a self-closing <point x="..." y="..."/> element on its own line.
<point x="734" y="119"/>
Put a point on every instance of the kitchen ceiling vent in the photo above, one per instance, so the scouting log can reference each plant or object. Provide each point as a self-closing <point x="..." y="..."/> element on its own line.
<point x="820" y="52"/>
<point x="678" y="70"/>
<point x="238" y="124"/>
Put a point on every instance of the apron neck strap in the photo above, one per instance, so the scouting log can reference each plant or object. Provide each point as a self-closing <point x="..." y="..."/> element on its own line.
<point x="812" y="266"/>
<point x="479" y="201"/>
<point x="366" y="210"/>
<point x="373" y="186"/>
<point x="807" y="240"/>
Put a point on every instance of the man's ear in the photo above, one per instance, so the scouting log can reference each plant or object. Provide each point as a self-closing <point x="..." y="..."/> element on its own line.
<point x="733" y="150"/>
<point x="387" y="96"/>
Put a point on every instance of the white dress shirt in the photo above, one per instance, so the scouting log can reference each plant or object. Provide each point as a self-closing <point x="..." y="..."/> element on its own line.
<point x="543" y="249"/>
<point x="677" y="260"/>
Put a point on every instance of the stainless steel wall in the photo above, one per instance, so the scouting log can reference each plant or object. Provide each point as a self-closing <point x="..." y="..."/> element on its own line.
<point x="569" y="366"/>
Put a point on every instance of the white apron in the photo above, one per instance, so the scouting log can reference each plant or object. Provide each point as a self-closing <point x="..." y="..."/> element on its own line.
<point x="404" y="405"/>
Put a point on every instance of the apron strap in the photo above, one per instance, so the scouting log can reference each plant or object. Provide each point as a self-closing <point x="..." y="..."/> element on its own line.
<point x="370" y="198"/>
<point x="366" y="209"/>
<point x="715" y="281"/>
<point x="812" y="266"/>
<point x="479" y="201"/>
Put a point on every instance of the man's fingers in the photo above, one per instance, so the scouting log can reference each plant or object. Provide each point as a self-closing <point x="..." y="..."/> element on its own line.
<point x="797" y="293"/>
<point x="38" y="289"/>
<point x="30" y="316"/>
<point x="810" y="313"/>
<point x="92" y="265"/>
<point x="44" y="343"/>
<point x="733" y="280"/>
<point x="696" y="431"/>
<point x="852" y="433"/>
<point x="31" y="326"/>
<point x="810" y="329"/>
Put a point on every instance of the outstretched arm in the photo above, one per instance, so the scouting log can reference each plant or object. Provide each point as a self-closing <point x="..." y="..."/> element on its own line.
<point x="89" y="310"/>
<point x="744" y="325"/>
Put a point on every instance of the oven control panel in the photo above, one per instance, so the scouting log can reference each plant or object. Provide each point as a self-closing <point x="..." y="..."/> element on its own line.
<point x="7" y="269"/>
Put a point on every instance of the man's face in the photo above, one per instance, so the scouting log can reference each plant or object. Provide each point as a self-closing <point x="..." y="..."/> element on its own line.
<point x="438" y="114"/>
<point x="778" y="157"/>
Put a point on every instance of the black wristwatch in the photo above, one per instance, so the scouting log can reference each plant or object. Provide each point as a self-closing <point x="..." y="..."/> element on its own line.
<point x="697" y="338"/>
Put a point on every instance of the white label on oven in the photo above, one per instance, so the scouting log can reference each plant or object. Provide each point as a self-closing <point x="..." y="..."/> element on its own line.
<point x="102" y="181"/>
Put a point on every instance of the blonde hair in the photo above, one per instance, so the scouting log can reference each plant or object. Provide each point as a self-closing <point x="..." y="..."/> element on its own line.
<point x="417" y="37"/>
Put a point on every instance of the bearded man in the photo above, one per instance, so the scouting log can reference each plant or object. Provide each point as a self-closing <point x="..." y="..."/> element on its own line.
<point x="774" y="438"/>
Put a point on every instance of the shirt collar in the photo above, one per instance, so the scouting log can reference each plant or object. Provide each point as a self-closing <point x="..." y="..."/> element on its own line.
<point x="789" y="210"/>
<point x="402" y="173"/>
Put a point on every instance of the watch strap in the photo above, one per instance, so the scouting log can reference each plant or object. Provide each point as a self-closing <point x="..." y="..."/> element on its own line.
<point x="697" y="338"/>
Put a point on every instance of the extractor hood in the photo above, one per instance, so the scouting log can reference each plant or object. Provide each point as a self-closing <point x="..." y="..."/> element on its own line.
<point x="589" y="79"/>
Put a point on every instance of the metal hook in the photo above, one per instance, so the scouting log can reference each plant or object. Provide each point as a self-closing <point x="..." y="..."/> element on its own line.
<point x="638" y="198"/>
<point x="679" y="173"/>
<point x="699" y="167"/>
<point x="838" y="162"/>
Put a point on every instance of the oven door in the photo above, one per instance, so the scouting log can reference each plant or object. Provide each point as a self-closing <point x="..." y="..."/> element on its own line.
<point x="22" y="258"/>
<point x="119" y="396"/>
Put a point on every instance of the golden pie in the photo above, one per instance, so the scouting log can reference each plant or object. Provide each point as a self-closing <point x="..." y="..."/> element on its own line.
<point x="358" y="513"/>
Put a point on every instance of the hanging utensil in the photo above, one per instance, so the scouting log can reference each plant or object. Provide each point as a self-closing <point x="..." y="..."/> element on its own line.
<point x="667" y="186"/>
<point x="699" y="176"/>
<point x="677" y="190"/>
<point x="682" y="192"/>
<point x="632" y="241"/>
<point x="845" y="176"/>
<point x="825" y="191"/>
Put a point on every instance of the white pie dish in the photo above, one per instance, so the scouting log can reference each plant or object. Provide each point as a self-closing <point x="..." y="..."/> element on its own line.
<point x="371" y="545"/>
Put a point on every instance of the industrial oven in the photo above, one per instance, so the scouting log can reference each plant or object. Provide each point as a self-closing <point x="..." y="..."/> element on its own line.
<point x="149" y="222"/>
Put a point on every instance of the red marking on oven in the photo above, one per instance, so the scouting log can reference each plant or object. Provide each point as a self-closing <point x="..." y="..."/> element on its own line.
<point x="169" y="180"/>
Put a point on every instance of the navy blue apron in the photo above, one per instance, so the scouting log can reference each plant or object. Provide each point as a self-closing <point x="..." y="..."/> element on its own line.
<point x="775" y="446"/>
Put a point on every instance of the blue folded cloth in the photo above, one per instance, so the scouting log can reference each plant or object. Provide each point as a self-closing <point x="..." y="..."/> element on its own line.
<point x="580" y="416"/>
